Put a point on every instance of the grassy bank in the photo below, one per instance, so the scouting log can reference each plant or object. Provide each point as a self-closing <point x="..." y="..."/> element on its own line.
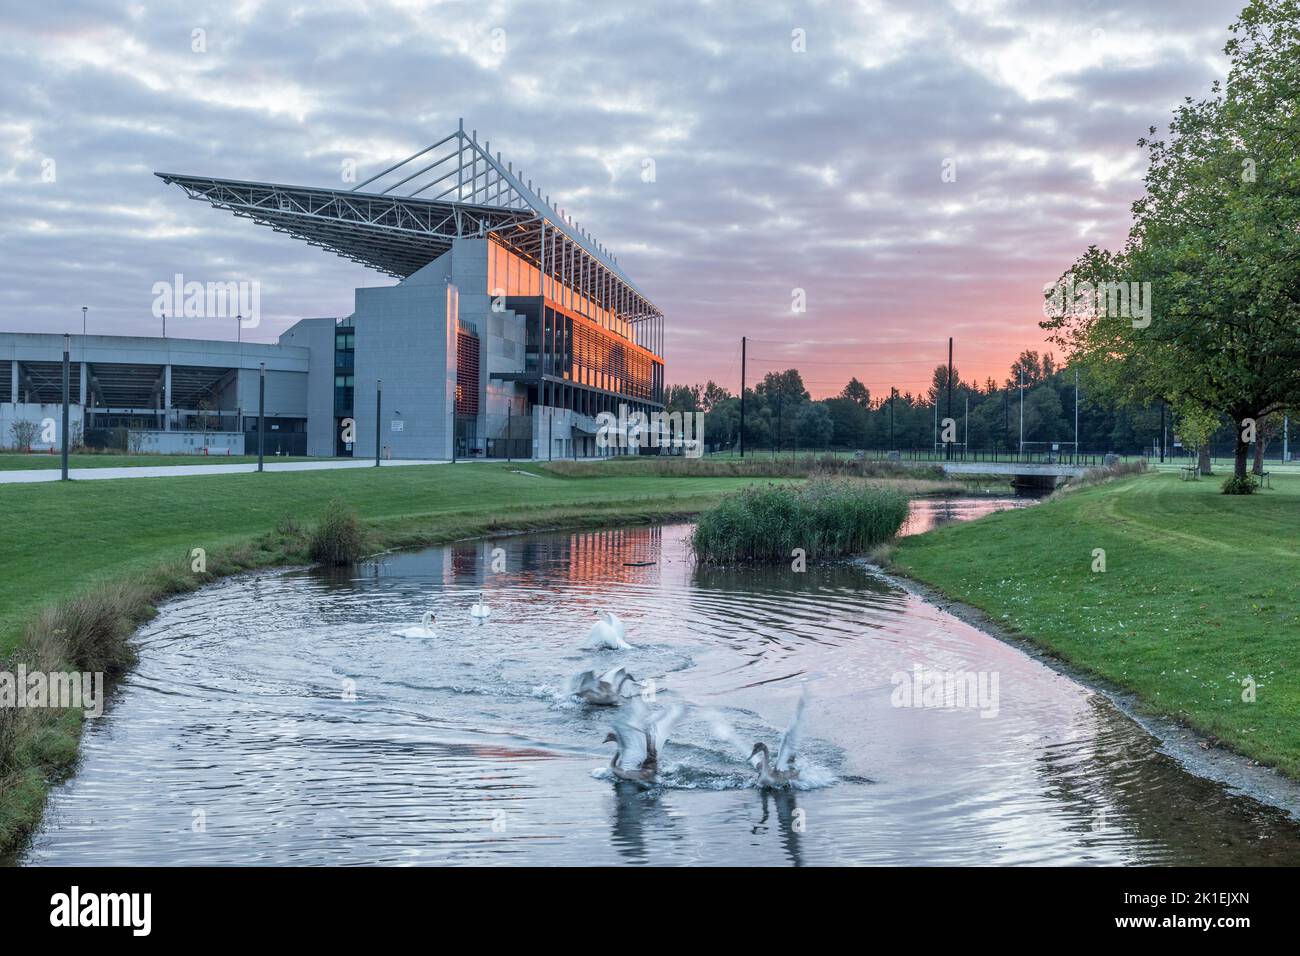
<point x="86" y="562"/>
<point x="1198" y="595"/>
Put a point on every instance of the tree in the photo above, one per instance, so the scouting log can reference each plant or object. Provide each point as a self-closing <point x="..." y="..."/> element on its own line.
<point x="713" y="396"/>
<point x="857" y="393"/>
<point x="1196" y="426"/>
<point x="813" y="425"/>
<point x="24" y="433"/>
<point x="849" y="422"/>
<point x="1213" y="244"/>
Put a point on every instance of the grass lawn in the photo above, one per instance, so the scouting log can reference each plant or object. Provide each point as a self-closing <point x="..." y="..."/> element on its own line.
<point x="10" y="461"/>
<point x="60" y="539"/>
<point x="1201" y="591"/>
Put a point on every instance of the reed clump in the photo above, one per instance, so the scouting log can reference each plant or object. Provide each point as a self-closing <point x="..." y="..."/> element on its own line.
<point x="824" y="518"/>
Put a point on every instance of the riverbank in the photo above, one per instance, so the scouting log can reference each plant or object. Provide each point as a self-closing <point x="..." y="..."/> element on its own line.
<point x="1193" y="618"/>
<point x="117" y="548"/>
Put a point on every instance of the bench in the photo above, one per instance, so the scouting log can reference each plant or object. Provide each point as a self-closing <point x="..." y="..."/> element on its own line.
<point x="1190" y="472"/>
<point x="1263" y="479"/>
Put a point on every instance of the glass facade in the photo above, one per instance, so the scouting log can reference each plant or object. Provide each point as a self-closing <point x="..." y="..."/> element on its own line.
<point x="574" y="339"/>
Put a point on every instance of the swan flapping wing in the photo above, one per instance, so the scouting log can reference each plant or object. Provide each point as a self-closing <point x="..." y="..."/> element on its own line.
<point x="584" y="681"/>
<point x="790" y="739"/>
<point x="614" y="677"/>
<point x="632" y="752"/>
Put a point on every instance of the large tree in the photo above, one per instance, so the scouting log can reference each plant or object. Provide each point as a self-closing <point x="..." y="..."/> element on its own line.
<point x="1216" y="237"/>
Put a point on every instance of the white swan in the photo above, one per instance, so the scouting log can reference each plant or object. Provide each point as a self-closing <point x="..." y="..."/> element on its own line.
<point x="784" y="771"/>
<point x="640" y="740"/>
<point x="425" y="628"/>
<point x="479" y="610"/>
<point x="603" y="691"/>
<point x="608" y="632"/>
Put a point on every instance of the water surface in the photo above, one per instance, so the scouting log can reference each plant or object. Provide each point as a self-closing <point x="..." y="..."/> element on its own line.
<point x="276" y="719"/>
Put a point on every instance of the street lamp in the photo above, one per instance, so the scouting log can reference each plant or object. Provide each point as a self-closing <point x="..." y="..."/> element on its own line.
<point x="67" y="346"/>
<point x="84" y="310"/>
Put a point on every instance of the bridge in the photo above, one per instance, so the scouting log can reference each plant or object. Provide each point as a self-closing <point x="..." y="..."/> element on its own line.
<point x="1027" y="476"/>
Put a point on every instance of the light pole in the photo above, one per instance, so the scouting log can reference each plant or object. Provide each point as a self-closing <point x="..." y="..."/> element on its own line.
<point x="379" y="405"/>
<point x="67" y="345"/>
<point x="1022" y="413"/>
<point x="1076" y="414"/>
<point x="239" y="328"/>
<point x="261" y="415"/>
<point x="84" y="310"/>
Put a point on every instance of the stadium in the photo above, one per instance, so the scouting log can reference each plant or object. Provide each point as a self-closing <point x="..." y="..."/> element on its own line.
<point x="509" y="330"/>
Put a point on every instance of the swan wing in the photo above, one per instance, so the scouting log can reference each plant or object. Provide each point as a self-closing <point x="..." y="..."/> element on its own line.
<point x="613" y="676"/>
<point x="790" y="739"/>
<point x="662" y="724"/>
<point x="631" y="745"/>
<point x="584" y="681"/>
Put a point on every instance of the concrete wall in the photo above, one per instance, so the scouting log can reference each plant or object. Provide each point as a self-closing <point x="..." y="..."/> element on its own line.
<point x="191" y="443"/>
<point x="402" y="338"/>
<point x="11" y="412"/>
<point x="317" y="336"/>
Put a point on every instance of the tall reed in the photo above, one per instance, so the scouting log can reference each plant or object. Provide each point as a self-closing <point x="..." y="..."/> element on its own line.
<point x="826" y="518"/>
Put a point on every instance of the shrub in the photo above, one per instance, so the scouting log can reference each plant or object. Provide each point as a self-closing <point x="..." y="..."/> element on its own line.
<point x="338" y="538"/>
<point x="826" y="518"/>
<point x="1240" y="486"/>
<point x="89" y="633"/>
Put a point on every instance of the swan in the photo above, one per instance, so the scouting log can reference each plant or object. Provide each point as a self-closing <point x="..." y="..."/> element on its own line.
<point x="608" y="632"/>
<point x="479" y="610"/>
<point x="783" y="772"/>
<point x="425" y="628"/>
<point x="640" y="739"/>
<point x="605" y="690"/>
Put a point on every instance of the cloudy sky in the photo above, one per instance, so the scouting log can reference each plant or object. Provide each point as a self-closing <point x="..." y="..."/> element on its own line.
<point x="794" y="146"/>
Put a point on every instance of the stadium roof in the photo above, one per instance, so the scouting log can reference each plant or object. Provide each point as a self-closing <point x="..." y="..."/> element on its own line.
<point x="453" y="189"/>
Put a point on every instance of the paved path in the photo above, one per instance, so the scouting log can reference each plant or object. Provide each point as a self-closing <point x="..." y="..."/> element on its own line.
<point x="24" y="476"/>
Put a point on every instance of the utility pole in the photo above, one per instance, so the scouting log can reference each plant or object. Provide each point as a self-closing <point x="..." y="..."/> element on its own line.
<point x="67" y="340"/>
<point x="948" y="445"/>
<point x="1162" y="432"/>
<point x="261" y="414"/>
<point x="893" y="393"/>
<point x="1022" y="413"/>
<point x="743" y="343"/>
<point x="379" y="415"/>
<point x="1076" y="413"/>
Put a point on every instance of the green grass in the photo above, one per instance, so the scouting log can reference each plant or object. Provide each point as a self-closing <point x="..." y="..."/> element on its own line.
<point x="60" y="539"/>
<point x="1200" y="591"/>
<point x="10" y="461"/>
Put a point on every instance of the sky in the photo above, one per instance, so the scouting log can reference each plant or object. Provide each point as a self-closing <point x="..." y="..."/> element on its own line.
<point x="907" y="171"/>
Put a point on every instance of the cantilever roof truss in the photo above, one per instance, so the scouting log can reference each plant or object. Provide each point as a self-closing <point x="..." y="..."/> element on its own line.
<point x="451" y="190"/>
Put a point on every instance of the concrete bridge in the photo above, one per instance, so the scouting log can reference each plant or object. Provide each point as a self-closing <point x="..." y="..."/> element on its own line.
<point x="1025" y="476"/>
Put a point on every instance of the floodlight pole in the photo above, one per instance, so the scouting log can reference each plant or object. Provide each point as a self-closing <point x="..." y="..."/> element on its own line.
<point x="66" y="373"/>
<point x="261" y="415"/>
<point x="379" y="406"/>
<point x="947" y="451"/>
<point x="743" y="344"/>
<point x="1022" y="413"/>
<point x="1076" y="414"/>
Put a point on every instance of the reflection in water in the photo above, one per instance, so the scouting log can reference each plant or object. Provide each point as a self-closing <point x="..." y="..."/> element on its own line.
<point x="276" y="719"/>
